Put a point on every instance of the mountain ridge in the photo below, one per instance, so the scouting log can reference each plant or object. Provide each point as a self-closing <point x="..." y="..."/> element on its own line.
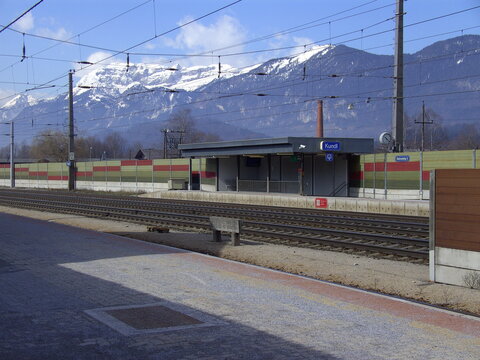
<point x="274" y="98"/>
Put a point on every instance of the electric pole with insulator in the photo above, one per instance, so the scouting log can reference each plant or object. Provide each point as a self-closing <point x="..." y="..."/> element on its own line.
<point x="12" y="161"/>
<point x="397" y="120"/>
<point x="71" y="135"/>
<point x="423" y="122"/>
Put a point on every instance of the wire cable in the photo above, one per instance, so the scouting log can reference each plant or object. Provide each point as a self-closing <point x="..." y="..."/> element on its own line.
<point x="20" y="16"/>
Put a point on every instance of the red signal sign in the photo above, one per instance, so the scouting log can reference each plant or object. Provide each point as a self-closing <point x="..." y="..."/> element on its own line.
<point x="321" y="203"/>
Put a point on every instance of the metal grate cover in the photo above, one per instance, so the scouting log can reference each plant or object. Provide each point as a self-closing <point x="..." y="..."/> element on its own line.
<point x="152" y="318"/>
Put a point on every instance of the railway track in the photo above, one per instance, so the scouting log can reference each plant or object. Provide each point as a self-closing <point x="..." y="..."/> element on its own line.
<point x="405" y="237"/>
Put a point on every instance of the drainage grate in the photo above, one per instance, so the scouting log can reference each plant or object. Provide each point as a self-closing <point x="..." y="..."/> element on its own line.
<point x="149" y="318"/>
<point x="152" y="317"/>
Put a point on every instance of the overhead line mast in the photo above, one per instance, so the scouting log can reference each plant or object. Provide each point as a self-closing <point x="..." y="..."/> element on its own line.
<point x="71" y="136"/>
<point x="397" y="119"/>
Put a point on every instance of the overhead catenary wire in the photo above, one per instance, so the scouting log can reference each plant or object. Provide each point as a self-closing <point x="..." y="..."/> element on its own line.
<point x="311" y="98"/>
<point x="474" y="91"/>
<point x="94" y="47"/>
<point x="239" y="69"/>
<point x="183" y="25"/>
<point x="20" y="16"/>
<point x="422" y="22"/>
<point x="328" y="76"/>
<point x="423" y="60"/>
<point x="86" y="31"/>
<point x="290" y="47"/>
<point x="150" y="39"/>
<point x="259" y="116"/>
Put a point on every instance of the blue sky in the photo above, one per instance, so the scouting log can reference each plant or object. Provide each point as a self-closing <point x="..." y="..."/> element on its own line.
<point x="330" y="22"/>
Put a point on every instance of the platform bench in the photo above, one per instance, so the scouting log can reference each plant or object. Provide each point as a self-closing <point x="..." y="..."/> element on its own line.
<point x="230" y="225"/>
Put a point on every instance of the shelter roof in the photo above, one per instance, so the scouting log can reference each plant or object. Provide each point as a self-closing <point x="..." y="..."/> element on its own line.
<point x="284" y="145"/>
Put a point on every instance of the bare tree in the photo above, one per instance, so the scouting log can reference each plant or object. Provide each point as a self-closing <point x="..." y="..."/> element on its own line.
<point x="114" y="146"/>
<point x="88" y="147"/>
<point x="467" y="138"/>
<point x="437" y="138"/>
<point x="183" y="121"/>
<point x="51" y="145"/>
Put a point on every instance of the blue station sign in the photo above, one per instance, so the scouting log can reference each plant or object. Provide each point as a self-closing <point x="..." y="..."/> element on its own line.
<point x="329" y="157"/>
<point x="402" y="158"/>
<point x="330" y="146"/>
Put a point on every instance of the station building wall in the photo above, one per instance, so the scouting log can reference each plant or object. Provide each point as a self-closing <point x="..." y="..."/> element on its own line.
<point x="331" y="178"/>
<point x="392" y="176"/>
<point x="227" y="178"/>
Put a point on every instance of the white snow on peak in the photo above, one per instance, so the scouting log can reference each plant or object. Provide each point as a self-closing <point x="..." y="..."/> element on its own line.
<point x="317" y="49"/>
<point x="115" y="79"/>
<point x="20" y="100"/>
<point x="300" y="58"/>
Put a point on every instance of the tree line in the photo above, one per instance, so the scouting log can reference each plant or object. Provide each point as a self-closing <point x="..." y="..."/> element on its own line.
<point x="182" y="128"/>
<point x="435" y="135"/>
<point x="53" y="145"/>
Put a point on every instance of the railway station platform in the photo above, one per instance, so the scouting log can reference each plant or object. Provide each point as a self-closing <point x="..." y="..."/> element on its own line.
<point x="74" y="293"/>
<point x="367" y="205"/>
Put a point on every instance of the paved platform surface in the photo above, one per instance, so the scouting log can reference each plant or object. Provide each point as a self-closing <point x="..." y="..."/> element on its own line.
<point x="60" y="287"/>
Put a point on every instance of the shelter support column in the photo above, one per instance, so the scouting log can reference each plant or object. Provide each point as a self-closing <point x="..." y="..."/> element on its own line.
<point x="301" y="172"/>
<point x="238" y="173"/>
<point x="269" y="171"/>
<point x="217" y="169"/>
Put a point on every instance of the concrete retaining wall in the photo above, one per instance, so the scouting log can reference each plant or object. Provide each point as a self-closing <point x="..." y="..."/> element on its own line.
<point x="36" y="184"/>
<point x="453" y="265"/>
<point x="118" y="186"/>
<point x="379" y="206"/>
<point x="392" y="194"/>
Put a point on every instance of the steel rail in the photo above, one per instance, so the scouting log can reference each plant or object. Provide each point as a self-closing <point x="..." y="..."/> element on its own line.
<point x="251" y="229"/>
<point x="382" y="243"/>
<point x="387" y="218"/>
<point x="249" y="212"/>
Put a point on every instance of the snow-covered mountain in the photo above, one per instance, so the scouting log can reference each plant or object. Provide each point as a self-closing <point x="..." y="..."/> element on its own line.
<point x="275" y="98"/>
<point x="15" y="106"/>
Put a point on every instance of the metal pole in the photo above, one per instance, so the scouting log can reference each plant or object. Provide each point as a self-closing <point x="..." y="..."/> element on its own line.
<point x="421" y="175"/>
<point x="385" y="174"/>
<point x="165" y="143"/>
<point x="12" y="160"/>
<point x="374" y="174"/>
<point x="397" y="120"/>
<point x="423" y="126"/>
<point x="71" y="144"/>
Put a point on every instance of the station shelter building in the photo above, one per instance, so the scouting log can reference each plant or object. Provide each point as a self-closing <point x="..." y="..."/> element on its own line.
<point x="298" y="165"/>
